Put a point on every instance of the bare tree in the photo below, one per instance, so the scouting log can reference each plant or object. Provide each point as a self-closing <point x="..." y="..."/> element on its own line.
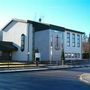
<point x="89" y="45"/>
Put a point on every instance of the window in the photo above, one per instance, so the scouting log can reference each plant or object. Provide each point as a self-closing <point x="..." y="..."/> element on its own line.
<point x="69" y="55"/>
<point x="78" y="55"/>
<point x="22" y="42"/>
<point x="78" y="40"/>
<point x="73" y="55"/>
<point x="66" y="55"/>
<point x="73" y="40"/>
<point x="68" y="39"/>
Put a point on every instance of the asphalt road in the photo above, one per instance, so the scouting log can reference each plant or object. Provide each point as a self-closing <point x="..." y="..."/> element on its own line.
<point x="44" y="80"/>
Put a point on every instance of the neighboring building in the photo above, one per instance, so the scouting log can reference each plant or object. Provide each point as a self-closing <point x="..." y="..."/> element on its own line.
<point x="47" y="38"/>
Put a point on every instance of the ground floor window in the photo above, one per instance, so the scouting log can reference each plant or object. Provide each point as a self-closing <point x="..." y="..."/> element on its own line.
<point x="5" y="56"/>
<point x="78" y="55"/>
<point x="72" y="55"/>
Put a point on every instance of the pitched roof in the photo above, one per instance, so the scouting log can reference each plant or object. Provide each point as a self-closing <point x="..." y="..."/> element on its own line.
<point x="7" y="46"/>
<point x="43" y="26"/>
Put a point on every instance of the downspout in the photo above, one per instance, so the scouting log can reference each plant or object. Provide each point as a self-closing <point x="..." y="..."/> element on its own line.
<point x="33" y="44"/>
<point x="28" y="52"/>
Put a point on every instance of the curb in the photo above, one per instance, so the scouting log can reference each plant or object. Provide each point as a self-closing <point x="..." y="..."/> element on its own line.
<point x="83" y="78"/>
<point x="31" y="70"/>
<point x="35" y="69"/>
<point x="24" y="70"/>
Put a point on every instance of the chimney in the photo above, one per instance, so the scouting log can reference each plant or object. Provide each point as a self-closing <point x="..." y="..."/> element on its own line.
<point x="40" y="19"/>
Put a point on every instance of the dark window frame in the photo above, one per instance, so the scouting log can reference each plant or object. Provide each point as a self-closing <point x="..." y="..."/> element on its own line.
<point x="22" y="42"/>
<point x="73" y="40"/>
<point x="68" y="39"/>
<point x="78" y="40"/>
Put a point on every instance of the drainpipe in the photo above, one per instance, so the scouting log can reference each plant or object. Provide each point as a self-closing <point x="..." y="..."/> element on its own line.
<point x="33" y="44"/>
<point x="28" y="52"/>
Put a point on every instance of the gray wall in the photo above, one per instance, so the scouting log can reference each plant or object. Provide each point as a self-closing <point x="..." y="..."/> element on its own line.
<point x="42" y="43"/>
<point x="56" y="53"/>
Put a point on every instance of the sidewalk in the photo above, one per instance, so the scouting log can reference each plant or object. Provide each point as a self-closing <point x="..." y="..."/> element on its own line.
<point x="40" y="68"/>
<point x="85" y="78"/>
<point x="34" y="68"/>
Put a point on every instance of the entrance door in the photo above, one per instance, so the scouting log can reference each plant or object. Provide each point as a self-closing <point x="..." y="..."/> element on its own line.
<point x="6" y="56"/>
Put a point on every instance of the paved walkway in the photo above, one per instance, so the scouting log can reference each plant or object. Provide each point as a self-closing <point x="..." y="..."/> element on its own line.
<point x="40" y="68"/>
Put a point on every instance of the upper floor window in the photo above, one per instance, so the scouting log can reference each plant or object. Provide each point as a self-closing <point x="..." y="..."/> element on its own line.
<point x="68" y="39"/>
<point x="78" y="40"/>
<point x="73" y="40"/>
<point x="22" y="42"/>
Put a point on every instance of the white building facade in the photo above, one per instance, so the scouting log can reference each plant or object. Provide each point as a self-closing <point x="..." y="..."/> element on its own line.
<point x="20" y="33"/>
<point x="73" y="45"/>
<point x="48" y="39"/>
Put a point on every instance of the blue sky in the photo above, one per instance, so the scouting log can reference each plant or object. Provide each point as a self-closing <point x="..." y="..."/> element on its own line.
<point x="73" y="14"/>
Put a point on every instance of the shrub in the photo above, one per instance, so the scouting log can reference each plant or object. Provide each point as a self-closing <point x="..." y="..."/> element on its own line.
<point x="85" y="55"/>
<point x="62" y="57"/>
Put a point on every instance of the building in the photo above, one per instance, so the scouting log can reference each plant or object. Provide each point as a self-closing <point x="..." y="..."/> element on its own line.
<point x="51" y="41"/>
<point x="47" y="38"/>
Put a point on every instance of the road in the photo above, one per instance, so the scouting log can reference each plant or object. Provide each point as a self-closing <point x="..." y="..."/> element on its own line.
<point x="44" y="80"/>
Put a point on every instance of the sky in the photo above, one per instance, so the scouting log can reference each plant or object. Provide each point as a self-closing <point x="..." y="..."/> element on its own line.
<point x="72" y="14"/>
